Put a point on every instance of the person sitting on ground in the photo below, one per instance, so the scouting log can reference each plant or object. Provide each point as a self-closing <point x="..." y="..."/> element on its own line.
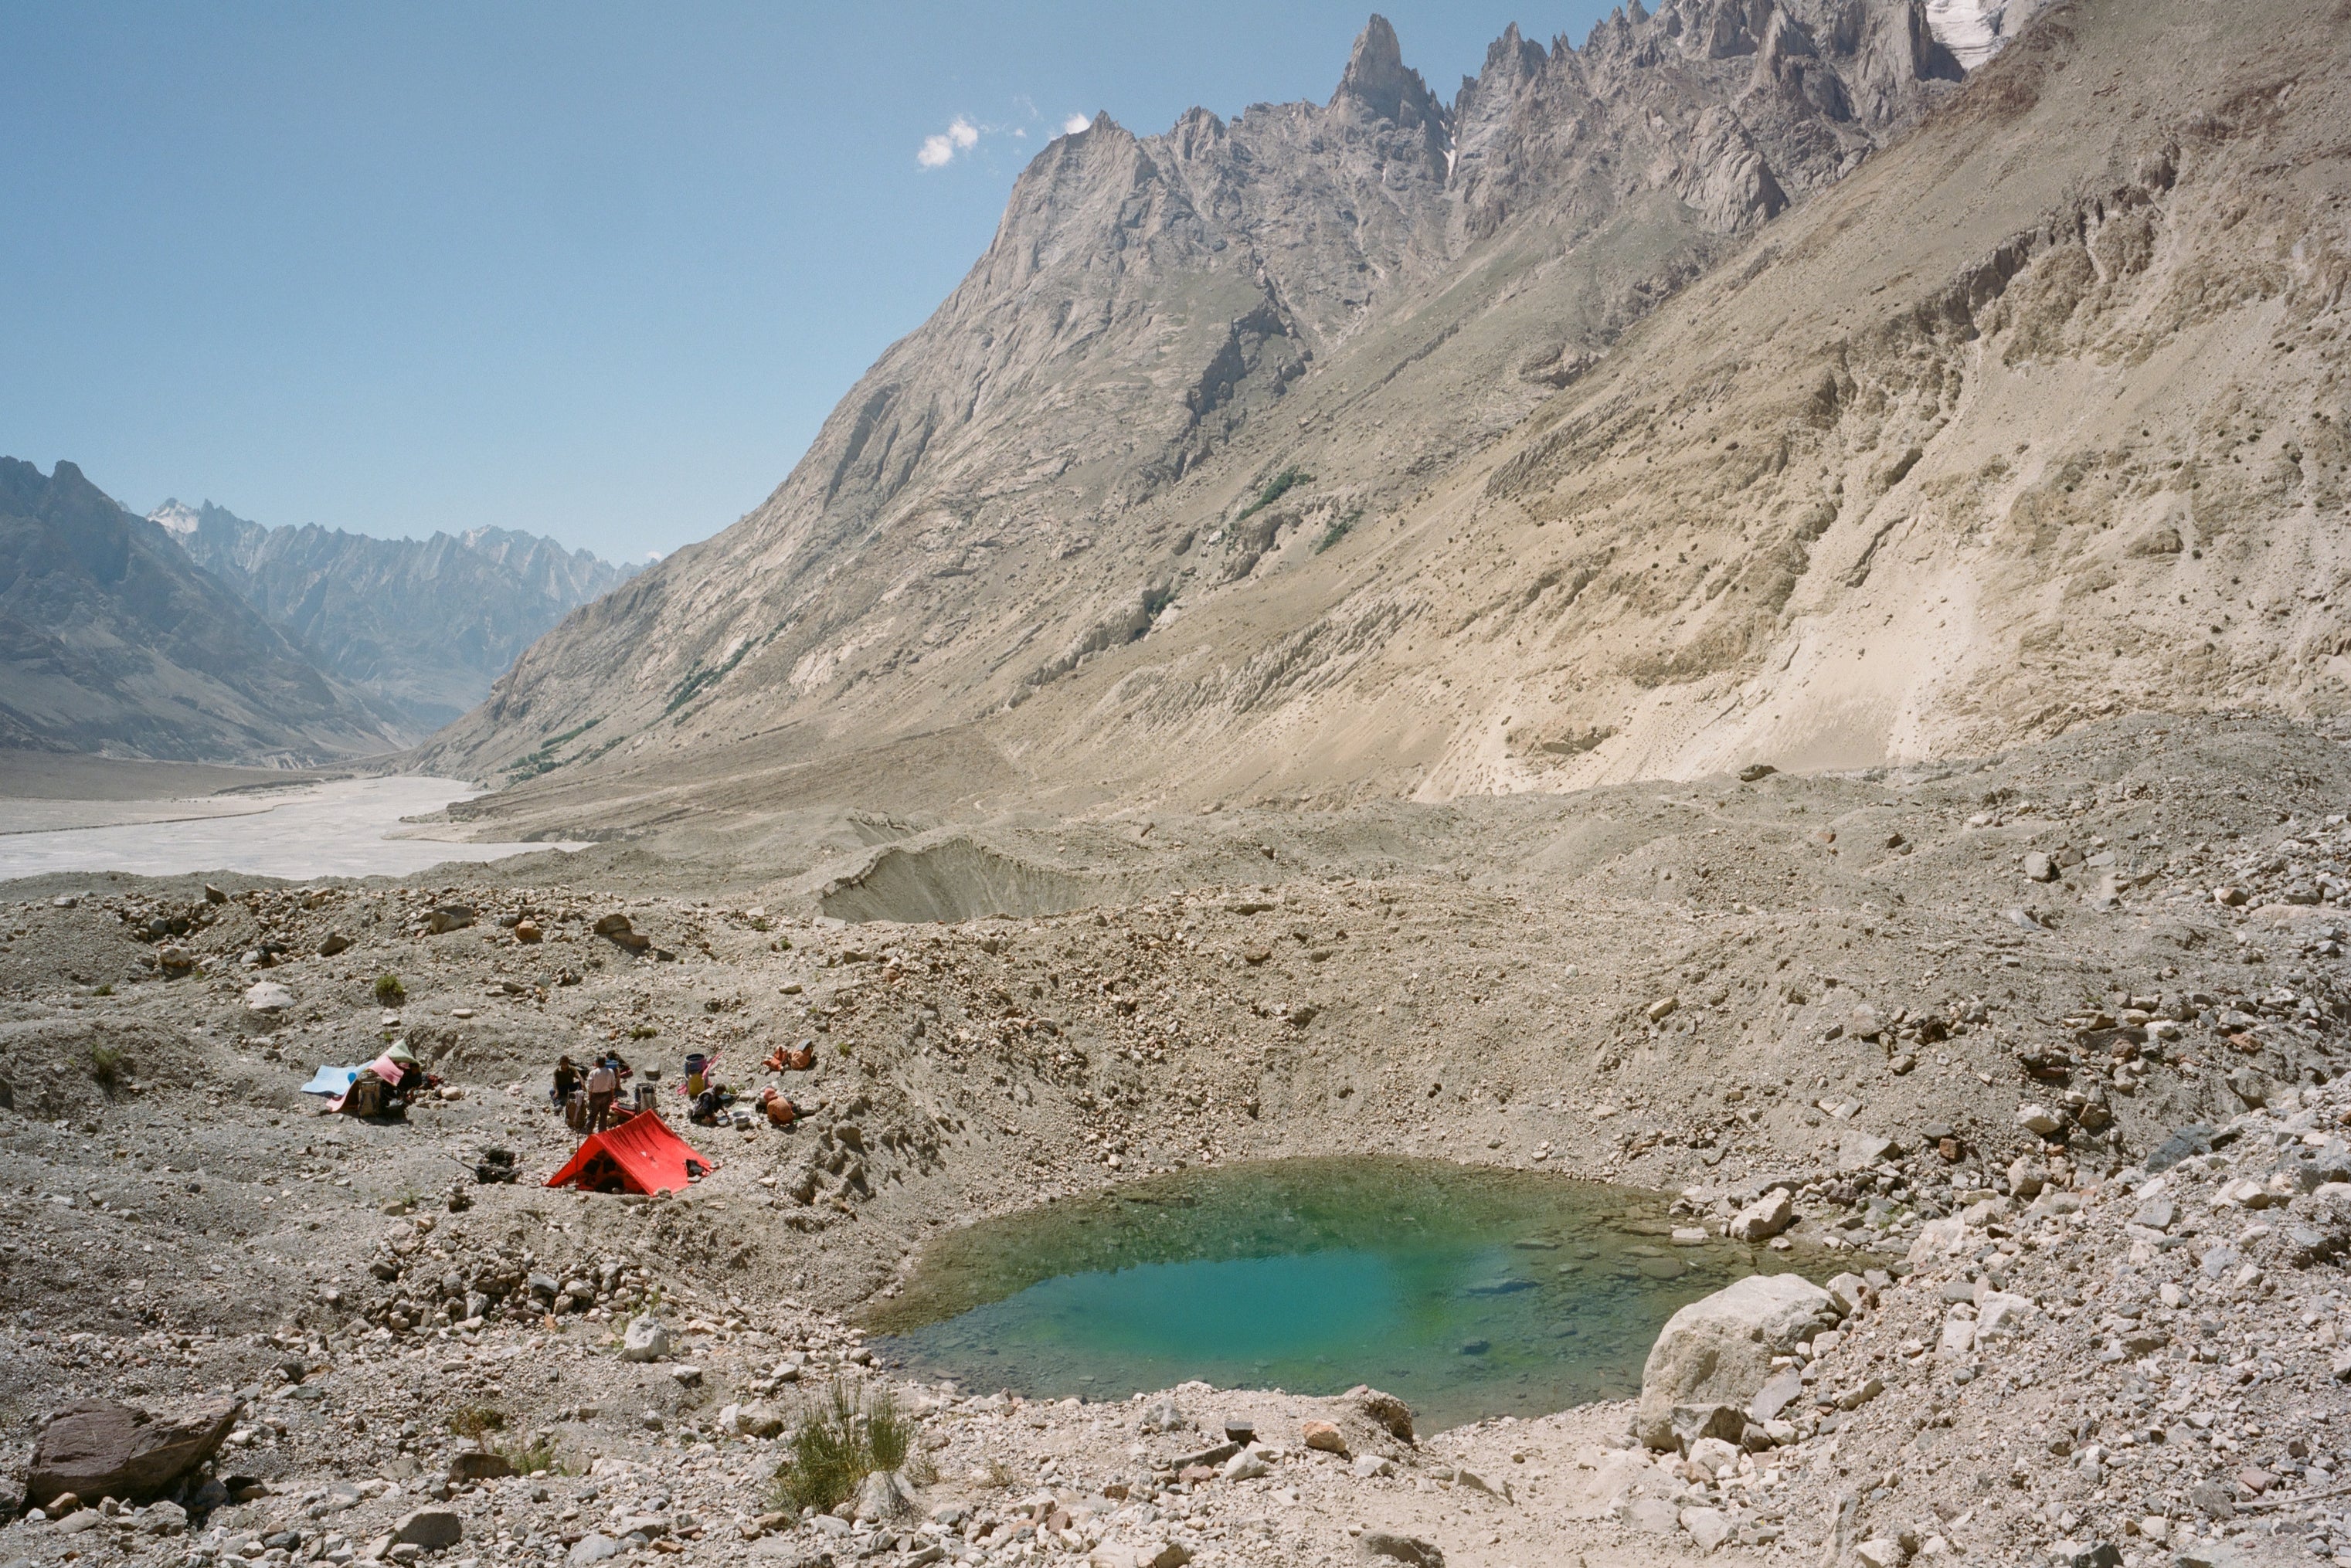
<point x="567" y="1079"/>
<point x="604" y="1085"/>
<point x="781" y="1113"/>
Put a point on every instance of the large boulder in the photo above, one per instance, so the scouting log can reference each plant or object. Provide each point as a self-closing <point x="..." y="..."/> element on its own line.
<point x="1718" y="1349"/>
<point x="97" y="1449"/>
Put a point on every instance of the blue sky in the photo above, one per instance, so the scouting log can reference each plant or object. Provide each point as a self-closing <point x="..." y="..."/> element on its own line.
<point x="593" y="270"/>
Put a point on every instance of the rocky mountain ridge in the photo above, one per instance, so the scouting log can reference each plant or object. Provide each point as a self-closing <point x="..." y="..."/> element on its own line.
<point x="422" y="626"/>
<point x="1084" y="439"/>
<point x="115" y="642"/>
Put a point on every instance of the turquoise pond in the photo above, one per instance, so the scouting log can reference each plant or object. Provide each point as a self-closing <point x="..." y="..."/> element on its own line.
<point x="1468" y="1292"/>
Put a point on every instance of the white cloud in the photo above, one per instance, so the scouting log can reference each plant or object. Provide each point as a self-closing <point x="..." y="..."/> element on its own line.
<point x="1074" y="124"/>
<point x="937" y="151"/>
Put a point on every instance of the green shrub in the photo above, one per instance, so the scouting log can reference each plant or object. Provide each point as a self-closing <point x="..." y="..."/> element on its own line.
<point x="475" y="1422"/>
<point x="529" y="1459"/>
<point x="106" y="1063"/>
<point x="844" y="1435"/>
<point x="1281" y="484"/>
<point x="388" y="991"/>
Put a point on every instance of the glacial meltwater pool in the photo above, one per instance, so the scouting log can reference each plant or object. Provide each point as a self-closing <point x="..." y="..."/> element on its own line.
<point x="1465" y="1292"/>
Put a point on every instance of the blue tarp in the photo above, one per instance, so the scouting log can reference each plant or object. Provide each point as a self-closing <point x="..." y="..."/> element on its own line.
<point x="332" y="1080"/>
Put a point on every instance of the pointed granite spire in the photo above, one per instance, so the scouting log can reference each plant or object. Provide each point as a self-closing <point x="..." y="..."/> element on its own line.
<point x="1378" y="80"/>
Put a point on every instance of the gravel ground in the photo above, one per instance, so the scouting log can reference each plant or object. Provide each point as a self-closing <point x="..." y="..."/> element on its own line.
<point x="1962" y="1063"/>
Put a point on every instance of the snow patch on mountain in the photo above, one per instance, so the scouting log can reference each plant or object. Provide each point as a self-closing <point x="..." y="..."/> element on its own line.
<point x="1975" y="30"/>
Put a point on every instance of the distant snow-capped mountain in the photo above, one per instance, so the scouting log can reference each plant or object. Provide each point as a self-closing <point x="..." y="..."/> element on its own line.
<point x="422" y="626"/>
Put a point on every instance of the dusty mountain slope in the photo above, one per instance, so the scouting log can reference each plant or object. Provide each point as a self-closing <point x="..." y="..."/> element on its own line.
<point x="1361" y="291"/>
<point x="2036" y="416"/>
<point x="422" y="626"/>
<point x="114" y="641"/>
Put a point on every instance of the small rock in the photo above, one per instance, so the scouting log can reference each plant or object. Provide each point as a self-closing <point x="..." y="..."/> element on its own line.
<point x="1711" y="1454"/>
<point x="645" y="1340"/>
<point x="1652" y="1516"/>
<point x="593" y="1548"/>
<point x="883" y="1497"/>
<point x="164" y="1518"/>
<point x="759" y="1419"/>
<point x="2038" y="867"/>
<point x="1407" y="1549"/>
<point x="2000" y="1315"/>
<point x="1385" y="1410"/>
<point x="2037" y="1118"/>
<point x="2212" y="1497"/>
<point x="1368" y="1466"/>
<point x="1858" y="1150"/>
<point x="1878" y="1551"/>
<point x="2074" y="1555"/>
<point x="1161" y="1416"/>
<point x="1240" y="1429"/>
<point x="1850" y="1292"/>
<point x="1696" y="1424"/>
<point x="1245" y="1466"/>
<point x="687" y="1377"/>
<point x="268" y="996"/>
<point x="1765" y="1217"/>
<point x="433" y="1529"/>
<point x="1322" y="1437"/>
<point x="1709" y="1526"/>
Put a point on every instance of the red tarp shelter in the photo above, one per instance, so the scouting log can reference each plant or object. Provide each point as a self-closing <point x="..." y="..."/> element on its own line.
<point x="641" y="1154"/>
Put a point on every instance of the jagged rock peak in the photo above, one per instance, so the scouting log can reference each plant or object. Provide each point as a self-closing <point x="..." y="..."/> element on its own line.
<point x="1377" y="79"/>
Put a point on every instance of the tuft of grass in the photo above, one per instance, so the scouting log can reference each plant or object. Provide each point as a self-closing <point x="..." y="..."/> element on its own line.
<point x="1281" y="484"/>
<point x="533" y="1459"/>
<point x="106" y="1064"/>
<point x="844" y="1435"/>
<point x="104" y="990"/>
<point x="642" y="1032"/>
<point x="388" y="991"/>
<point x="1338" y="529"/>
<point x="474" y="1423"/>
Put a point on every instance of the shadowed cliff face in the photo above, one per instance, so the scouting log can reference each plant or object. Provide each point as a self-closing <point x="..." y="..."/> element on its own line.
<point x="112" y="640"/>
<point x="1387" y="445"/>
